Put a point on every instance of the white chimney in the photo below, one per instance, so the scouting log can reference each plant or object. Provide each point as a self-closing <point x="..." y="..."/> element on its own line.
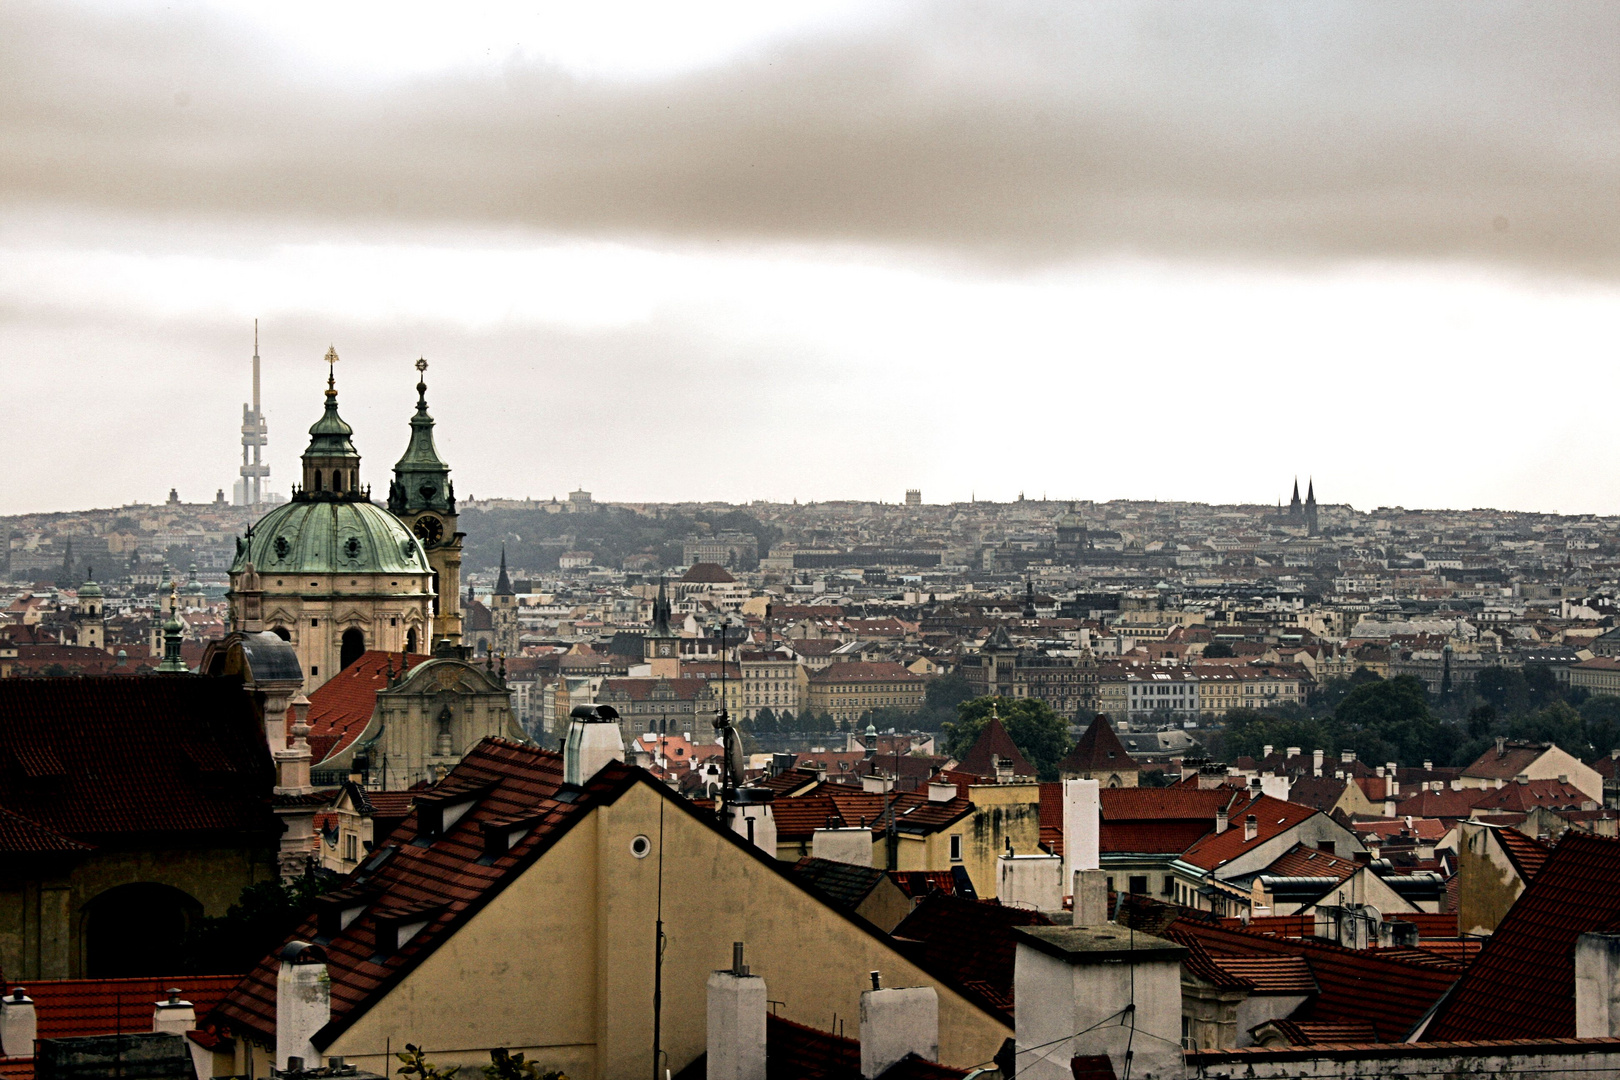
<point x="852" y="846"/>
<point x="303" y="1003"/>
<point x="1030" y="881"/>
<point x="593" y="741"/>
<point x="1316" y="763"/>
<point x="873" y="784"/>
<point x="1251" y="827"/>
<point x="174" y="1015"/>
<point x="1222" y="822"/>
<point x="1276" y="786"/>
<point x="1265" y="751"/>
<point x="895" y="1023"/>
<point x="737" y="1007"/>
<point x="1082" y="825"/>
<point x="1597" y="986"/>
<point x="1347" y="756"/>
<point x="1292" y="752"/>
<point x="941" y="792"/>
<point x="18" y="1024"/>
<point x="1081" y="979"/>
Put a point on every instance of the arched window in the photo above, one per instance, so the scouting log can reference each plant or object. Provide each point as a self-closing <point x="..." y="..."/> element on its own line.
<point x="410" y="640"/>
<point x="137" y="929"/>
<point x="337" y="480"/>
<point x="281" y="632"/>
<point x="317" y="479"/>
<point x="354" y="644"/>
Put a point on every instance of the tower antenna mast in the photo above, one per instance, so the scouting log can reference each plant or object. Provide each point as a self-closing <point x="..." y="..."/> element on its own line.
<point x="255" y="432"/>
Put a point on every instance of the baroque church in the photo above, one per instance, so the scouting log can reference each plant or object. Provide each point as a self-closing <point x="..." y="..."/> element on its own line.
<point x="335" y="574"/>
<point x="368" y="599"/>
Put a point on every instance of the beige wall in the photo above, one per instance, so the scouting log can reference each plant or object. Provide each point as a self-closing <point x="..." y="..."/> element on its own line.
<point x="1487" y="883"/>
<point x="560" y="964"/>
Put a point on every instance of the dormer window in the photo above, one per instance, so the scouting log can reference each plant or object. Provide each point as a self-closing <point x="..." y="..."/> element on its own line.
<point x="395" y="927"/>
<point x="500" y="837"/>
<point x="437" y="814"/>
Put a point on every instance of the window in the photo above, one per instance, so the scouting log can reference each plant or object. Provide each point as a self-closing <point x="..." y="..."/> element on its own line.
<point x="1139" y="884"/>
<point x="956" y="847"/>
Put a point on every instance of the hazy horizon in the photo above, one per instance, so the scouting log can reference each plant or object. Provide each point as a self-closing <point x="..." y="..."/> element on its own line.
<point x="1121" y="250"/>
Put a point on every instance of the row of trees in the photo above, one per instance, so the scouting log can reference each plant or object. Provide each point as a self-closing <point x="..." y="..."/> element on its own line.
<point x="1395" y="720"/>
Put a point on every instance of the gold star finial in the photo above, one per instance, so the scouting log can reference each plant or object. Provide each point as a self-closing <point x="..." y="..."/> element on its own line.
<point x="421" y="364"/>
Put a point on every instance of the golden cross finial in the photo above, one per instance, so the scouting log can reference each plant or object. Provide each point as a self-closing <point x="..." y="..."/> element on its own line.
<point x="331" y="368"/>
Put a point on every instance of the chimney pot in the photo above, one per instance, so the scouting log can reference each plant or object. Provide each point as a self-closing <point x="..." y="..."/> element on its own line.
<point x="1251" y="827"/>
<point x="877" y="980"/>
<point x="1222" y="822"/>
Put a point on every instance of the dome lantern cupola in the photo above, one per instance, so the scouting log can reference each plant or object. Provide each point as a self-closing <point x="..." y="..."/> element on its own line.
<point x="331" y="463"/>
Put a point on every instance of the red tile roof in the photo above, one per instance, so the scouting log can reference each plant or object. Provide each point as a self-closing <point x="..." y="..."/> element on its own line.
<point x="865" y="671"/>
<point x="1099" y="750"/>
<point x="513" y="781"/>
<point x="1353" y="987"/>
<point x="1273" y="817"/>
<point x="1527" y="853"/>
<point x="70" y="1008"/>
<point x="1523" y="984"/>
<point x="341" y="707"/>
<point x="1510" y="761"/>
<point x="1302" y="861"/>
<point x="1270" y="974"/>
<point x="973" y="939"/>
<point x="89" y="758"/>
<point x="994" y="741"/>
<point x="799" y="1052"/>
<point x="1522" y="798"/>
<point x="1430" y="924"/>
<point x="20" y="836"/>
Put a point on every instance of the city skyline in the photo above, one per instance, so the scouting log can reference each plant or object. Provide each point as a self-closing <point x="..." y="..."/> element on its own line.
<point x="1137" y="251"/>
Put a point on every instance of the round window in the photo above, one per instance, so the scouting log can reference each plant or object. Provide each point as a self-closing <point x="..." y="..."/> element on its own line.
<point x="641" y="847"/>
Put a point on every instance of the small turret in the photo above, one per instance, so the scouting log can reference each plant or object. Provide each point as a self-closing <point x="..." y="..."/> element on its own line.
<point x="173" y="662"/>
<point x="331" y="463"/>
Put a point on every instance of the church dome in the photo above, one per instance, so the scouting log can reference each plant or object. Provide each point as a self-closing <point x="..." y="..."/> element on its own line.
<point x="330" y="536"/>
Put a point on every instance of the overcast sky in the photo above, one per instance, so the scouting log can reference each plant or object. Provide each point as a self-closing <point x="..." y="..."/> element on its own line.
<point x="742" y="250"/>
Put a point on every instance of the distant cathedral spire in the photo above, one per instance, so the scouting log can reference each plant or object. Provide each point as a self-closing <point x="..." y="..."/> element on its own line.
<point x="503" y="584"/>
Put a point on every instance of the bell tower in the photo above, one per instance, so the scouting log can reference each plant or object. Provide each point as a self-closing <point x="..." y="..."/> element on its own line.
<point x="423" y="496"/>
<point x="661" y="648"/>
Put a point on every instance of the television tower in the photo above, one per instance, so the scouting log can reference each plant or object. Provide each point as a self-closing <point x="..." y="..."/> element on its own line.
<point x="254" y="430"/>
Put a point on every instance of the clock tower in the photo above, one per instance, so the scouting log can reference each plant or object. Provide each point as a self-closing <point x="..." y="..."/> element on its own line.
<point x="423" y="496"/>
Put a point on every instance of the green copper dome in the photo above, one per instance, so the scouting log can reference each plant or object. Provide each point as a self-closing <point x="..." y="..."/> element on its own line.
<point x="349" y="536"/>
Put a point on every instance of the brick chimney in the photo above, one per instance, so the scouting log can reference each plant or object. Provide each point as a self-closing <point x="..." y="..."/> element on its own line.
<point x="737" y="1007"/>
<point x="895" y="1023"/>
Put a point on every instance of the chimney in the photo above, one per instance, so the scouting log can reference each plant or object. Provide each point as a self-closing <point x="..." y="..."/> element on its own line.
<point x="593" y="741"/>
<point x="303" y="1003"/>
<point x="941" y="792"/>
<point x="1316" y="763"/>
<point x="737" y="1007"/>
<point x="1266" y="751"/>
<point x="174" y="1015"/>
<point x="1597" y="986"/>
<point x="1378" y="771"/>
<point x="1082" y="851"/>
<point x="752" y="818"/>
<point x="1251" y="828"/>
<point x="1389" y="808"/>
<point x="1292" y="752"/>
<point x="1030" y="881"/>
<point x="1501" y="745"/>
<point x="853" y="846"/>
<point x="18" y="1024"/>
<point x="1347" y="756"/>
<point x="1428" y="766"/>
<point x="1073" y="984"/>
<point x="1221" y="821"/>
<point x="877" y="784"/>
<point x="895" y="1023"/>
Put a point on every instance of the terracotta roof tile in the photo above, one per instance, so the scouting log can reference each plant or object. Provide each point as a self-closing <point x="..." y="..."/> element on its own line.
<point x="994" y="741"/>
<point x="1523" y="984"/>
<point x="1098" y="750"/>
<point x="93" y="757"/>
<point x="341" y="707"/>
<point x="972" y="939"/>
<point x="71" y="1008"/>
<point x="1273" y="817"/>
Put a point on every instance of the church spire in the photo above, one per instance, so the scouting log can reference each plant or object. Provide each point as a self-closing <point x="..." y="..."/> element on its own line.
<point x="503" y="584"/>
<point x="661" y="612"/>
<point x="172" y="627"/>
<point x="421" y="478"/>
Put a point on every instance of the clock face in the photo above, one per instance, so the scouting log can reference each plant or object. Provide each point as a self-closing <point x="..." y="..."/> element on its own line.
<point x="429" y="530"/>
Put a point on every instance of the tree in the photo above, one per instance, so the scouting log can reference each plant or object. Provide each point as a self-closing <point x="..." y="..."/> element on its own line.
<point x="764" y="723"/>
<point x="1558" y="723"/>
<point x="1602" y="718"/>
<point x="1040" y="734"/>
<point x="1250" y="731"/>
<point x="1390" y="721"/>
<point x="1218" y="650"/>
<point x="262" y="916"/>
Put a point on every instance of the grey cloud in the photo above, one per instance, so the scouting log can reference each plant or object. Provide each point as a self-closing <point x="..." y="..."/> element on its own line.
<point x="1476" y="131"/>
